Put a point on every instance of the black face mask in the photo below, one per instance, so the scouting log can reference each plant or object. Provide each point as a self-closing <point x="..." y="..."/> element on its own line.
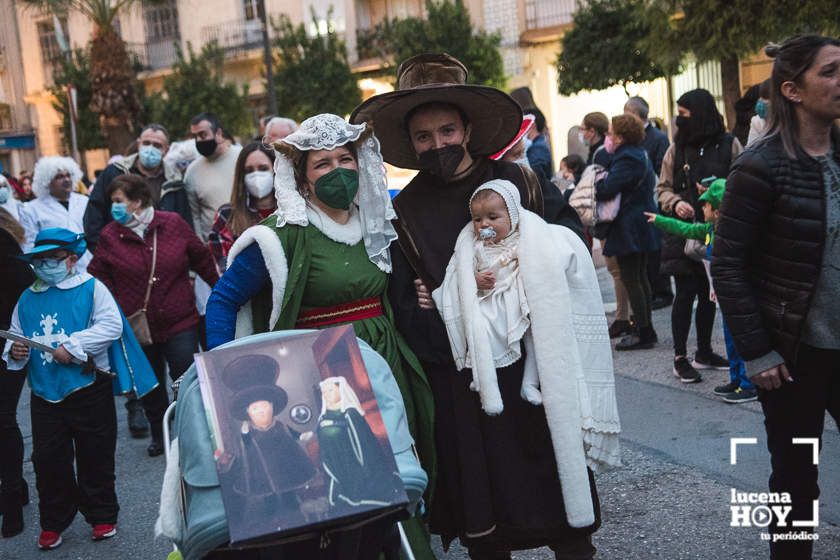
<point x="442" y="162"/>
<point x="206" y="147"/>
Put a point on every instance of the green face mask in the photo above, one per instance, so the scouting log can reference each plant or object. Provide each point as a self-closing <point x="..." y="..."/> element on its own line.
<point x="338" y="188"/>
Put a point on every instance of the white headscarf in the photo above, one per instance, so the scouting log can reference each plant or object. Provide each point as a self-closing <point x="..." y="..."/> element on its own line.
<point x="509" y="193"/>
<point x="48" y="167"/>
<point x="327" y="132"/>
<point x="348" y="395"/>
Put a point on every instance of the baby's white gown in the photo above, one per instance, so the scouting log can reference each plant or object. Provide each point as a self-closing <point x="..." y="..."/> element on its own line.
<point x="504" y="307"/>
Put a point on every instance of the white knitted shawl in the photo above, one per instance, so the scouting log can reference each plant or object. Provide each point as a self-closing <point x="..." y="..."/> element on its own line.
<point x="572" y="359"/>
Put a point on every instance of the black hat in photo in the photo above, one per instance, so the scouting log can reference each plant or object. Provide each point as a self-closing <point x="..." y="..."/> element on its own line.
<point x="438" y="78"/>
<point x="253" y="378"/>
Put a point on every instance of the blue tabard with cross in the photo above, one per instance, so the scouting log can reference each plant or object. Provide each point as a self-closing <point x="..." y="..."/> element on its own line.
<point x="49" y="317"/>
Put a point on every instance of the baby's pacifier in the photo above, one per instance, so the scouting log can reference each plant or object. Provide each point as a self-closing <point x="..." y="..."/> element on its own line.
<point x="486" y="233"/>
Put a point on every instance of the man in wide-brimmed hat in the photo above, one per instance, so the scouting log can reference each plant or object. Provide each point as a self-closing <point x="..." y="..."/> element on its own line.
<point x="490" y="494"/>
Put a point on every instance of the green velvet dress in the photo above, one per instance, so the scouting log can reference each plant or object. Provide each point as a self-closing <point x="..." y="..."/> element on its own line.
<point x="325" y="273"/>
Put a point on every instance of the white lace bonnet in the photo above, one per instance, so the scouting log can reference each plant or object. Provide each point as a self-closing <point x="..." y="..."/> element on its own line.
<point x="509" y="193"/>
<point x="327" y="132"/>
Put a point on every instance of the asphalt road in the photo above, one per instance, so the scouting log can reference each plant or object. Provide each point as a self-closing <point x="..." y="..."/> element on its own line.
<point x="669" y="501"/>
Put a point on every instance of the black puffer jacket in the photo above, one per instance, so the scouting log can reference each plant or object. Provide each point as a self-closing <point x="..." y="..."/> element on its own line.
<point x="691" y="165"/>
<point x="768" y="248"/>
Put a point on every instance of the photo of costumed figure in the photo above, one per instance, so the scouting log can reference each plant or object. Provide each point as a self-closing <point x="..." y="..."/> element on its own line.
<point x="359" y="472"/>
<point x="269" y="464"/>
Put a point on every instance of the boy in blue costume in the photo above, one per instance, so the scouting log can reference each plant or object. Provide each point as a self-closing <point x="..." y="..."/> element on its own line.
<point x="73" y="414"/>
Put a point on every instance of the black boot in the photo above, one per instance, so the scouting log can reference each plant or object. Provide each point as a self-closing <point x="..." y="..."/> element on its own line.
<point x="643" y="340"/>
<point x="137" y="423"/>
<point x="156" y="447"/>
<point x="12" y="503"/>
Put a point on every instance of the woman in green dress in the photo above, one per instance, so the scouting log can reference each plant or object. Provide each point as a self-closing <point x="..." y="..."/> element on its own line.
<point x="322" y="259"/>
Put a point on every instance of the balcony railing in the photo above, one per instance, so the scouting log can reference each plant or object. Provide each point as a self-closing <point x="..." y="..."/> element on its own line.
<point x="235" y="37"/>
<point x="540" y="14"/>
<point x="155" y="55"/>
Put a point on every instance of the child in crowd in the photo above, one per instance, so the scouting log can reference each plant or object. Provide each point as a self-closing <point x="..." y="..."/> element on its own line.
<point x="72" y="407"/>
<point x="555" y="338"/>
<point x="572" y="166"/>
<point x="739" y="389"/>
<point x="571" y="170"/>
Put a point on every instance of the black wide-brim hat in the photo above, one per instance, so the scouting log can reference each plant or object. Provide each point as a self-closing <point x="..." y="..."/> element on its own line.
<point x="244" y="398"/>
<point x="438" y="78"/>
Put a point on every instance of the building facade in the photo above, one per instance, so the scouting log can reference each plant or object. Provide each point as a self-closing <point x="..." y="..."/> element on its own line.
<point x="531" y="31"/>
<point x="17" y="133"/>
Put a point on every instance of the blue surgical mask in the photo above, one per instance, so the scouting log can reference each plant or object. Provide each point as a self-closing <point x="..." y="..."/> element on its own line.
<point x="4" y="195"/>
<point x="120" y="213"/>
<point x="528" y="143"/>
<point x="582" y="139"/>
<point x="761" y="109"/>
<point x="150" y="157"/>
<point x="50" y="271"/>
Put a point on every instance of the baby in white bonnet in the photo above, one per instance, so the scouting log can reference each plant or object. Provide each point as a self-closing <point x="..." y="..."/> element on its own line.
<point x="494" y="208"/>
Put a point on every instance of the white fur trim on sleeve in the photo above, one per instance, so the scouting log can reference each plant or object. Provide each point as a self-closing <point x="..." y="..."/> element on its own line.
<point x="278" y="271"/>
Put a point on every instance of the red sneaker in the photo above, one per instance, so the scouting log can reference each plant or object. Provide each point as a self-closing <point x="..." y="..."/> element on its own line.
<point x="49" y="540"/>
<point x="103" y="531"/>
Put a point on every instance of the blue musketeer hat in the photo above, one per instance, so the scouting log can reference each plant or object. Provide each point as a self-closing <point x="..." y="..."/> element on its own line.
<point x="51" y="239"/>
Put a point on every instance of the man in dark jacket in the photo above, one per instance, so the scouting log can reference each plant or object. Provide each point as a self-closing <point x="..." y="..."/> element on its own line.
<point x="168" y="193"/>
<point x="655" y="144"/>
<point x="167" y="185"/>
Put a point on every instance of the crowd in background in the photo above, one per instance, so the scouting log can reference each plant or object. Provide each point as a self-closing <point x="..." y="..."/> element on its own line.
<point x="688" y="231"/>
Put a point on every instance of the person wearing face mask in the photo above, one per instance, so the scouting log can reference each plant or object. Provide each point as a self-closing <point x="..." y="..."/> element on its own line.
<point x="7" y="201"/>
<point x="168" y="193"/>
<point x="556" y="208"/>
<point x="251" y="200"/>
<point x="164" y="179"/>
<point x="630" y="238"/>
<point x="56" y="204"/>
<point x="702" y="148"/>
<point x="209" y="177"/>
<point x="142" y="243"/>
<point x="591" y="133"/>
<point x="537" y="151"/>
<point x="73" y="417"/>
<point x="322" y="259"/>
<point x="438" y="124"/>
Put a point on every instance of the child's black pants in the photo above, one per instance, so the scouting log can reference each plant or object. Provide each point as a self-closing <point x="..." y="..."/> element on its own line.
<point x="87" y="421"/>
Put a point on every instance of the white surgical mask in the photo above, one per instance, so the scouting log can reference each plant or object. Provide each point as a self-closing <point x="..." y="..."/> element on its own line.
<point x="523" y="161"/>
<point x="4" y="195"/>
<point x="582" y="139"/>
<point x="259" y="183"/>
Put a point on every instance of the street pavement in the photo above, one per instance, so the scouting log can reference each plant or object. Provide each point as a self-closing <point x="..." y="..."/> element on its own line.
<point x="669" y="501"/>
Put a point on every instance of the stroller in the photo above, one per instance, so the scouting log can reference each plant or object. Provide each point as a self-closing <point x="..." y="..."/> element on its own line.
<point x="192" y="515"/>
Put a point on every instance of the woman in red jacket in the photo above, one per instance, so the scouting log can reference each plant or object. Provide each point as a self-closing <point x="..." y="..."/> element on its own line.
<point x="123" y="261"/>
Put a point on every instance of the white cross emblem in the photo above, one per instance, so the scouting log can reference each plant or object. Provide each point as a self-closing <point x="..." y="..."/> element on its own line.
<point x="50" y="338"/>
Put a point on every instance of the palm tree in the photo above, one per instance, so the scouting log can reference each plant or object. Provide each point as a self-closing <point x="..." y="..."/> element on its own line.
<point x="112" y="78"/>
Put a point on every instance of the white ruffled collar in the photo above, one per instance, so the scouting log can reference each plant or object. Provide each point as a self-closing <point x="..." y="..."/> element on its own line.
<point x="348" y="234"/>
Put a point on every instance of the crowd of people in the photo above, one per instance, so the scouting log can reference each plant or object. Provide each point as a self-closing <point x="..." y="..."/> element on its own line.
<point x="476" y="283"/>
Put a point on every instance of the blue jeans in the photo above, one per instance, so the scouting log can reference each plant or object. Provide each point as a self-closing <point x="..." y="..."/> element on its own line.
<point x="737" y="368"/>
